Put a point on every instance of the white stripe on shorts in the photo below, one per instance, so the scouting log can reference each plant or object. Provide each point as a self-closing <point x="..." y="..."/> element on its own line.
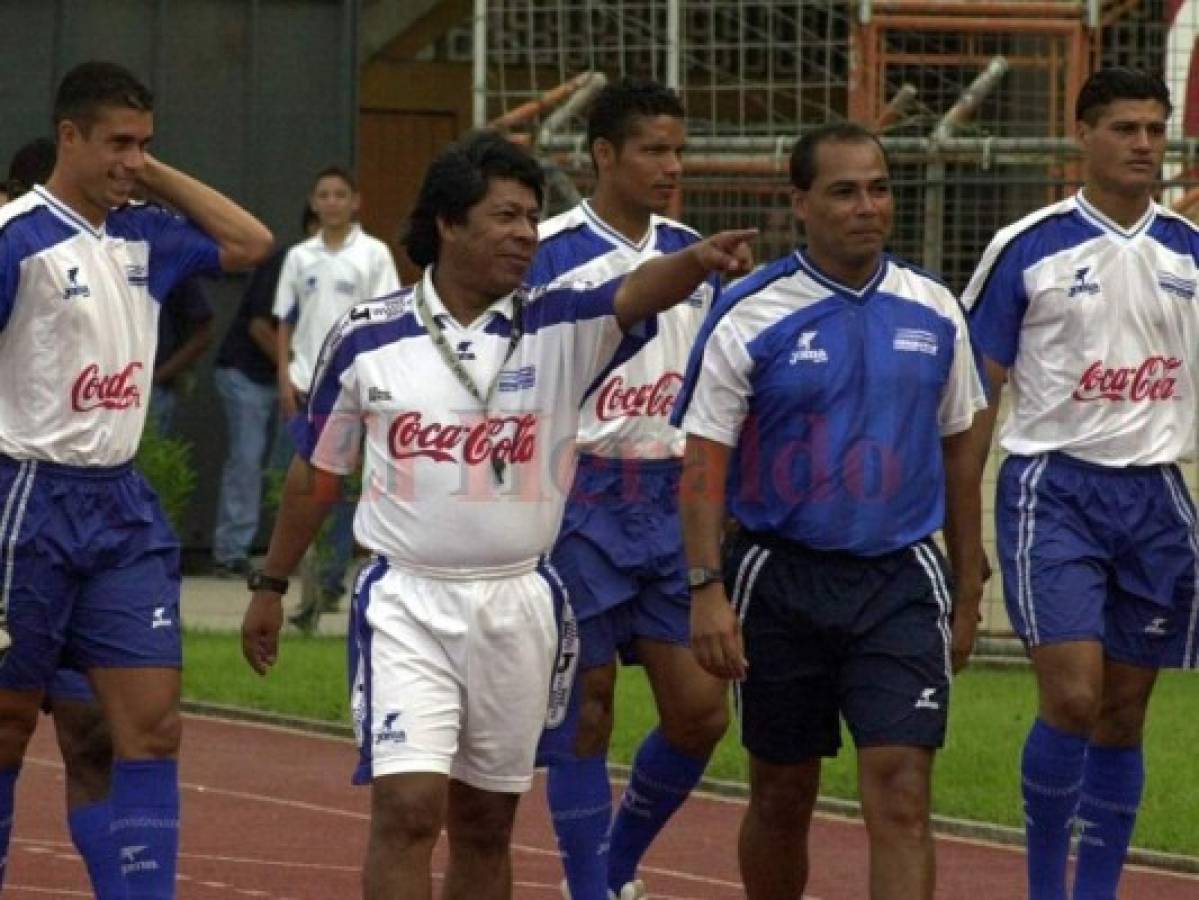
<point x="1190" y="655"/>
<point x="21" y="486"/>
<point x="1026" y="532"/>
<point x="932" y="568"/>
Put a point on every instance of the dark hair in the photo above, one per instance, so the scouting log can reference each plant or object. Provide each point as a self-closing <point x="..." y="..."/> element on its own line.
<point x="457" y="180"/>
<point x="1118" y="83"/>
<point x="31" y="164"/>
<point x="90" y="86"/>
<point x="336" y="172"/>
<point x="617" y="105"/>
<point x="803" y="154"/>
<point x="307" y="219"/>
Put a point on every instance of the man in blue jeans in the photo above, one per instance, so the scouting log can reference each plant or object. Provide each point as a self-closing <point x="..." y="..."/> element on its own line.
<point x="245" y="379"/>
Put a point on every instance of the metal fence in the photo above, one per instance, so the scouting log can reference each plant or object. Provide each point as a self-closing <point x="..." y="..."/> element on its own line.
<point x="974" y="102"/>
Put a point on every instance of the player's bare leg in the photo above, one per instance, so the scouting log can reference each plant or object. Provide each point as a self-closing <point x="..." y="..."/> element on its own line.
<point x="18" y="719"/>
<point x="895" y="784"/>
<point x="597" y="689"/>
<point x="479" y="828"/>
<point x="772" y="847"/>
<point x="407" y="812"/>
<point x="142" y="708"/>
<point x="1069" y="684"/>
<point x="86" y="746"/>
<point x="692" y="705"/>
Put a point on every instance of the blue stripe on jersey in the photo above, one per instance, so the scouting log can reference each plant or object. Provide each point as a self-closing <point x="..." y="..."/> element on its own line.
<point x="553" y="307"/>
<point x="178" y="248"/>
<point x="999" y="308"/>
<point x="346" y="340"/>
<point x="24" y="235"/>
<point x="736" y="292"/>
<point x="1175" y="233"/>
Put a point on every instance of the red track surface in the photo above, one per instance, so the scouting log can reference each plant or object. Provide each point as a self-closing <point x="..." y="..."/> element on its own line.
<point x="270" y="814"/>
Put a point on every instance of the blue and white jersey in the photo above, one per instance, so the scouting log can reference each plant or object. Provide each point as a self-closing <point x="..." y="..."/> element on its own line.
<point x="1098" y="328"/>
<point x="835" y="401"/>
<point x="628" y="414"/>
<point x="318" y="285"/>
<point x="79" y="323"/>
<point x="431" y="502"/>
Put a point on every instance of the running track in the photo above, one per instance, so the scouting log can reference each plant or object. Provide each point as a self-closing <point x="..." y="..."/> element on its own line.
<point x="269" y="814"/>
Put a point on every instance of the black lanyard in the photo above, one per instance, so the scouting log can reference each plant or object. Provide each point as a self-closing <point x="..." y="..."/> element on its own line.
<point x="450" y="358"/>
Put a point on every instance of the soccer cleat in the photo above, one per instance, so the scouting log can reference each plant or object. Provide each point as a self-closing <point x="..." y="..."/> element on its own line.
<point x="611" y="896"/>
<point x="633" y="890"/>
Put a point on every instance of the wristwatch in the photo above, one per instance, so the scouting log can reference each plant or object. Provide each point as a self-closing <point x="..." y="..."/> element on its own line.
<point x="258" y="580"/>
<point x="698" y="576"/>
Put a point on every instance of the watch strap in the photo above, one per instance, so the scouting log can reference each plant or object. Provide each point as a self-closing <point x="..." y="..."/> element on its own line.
<point x="260" y="581"/>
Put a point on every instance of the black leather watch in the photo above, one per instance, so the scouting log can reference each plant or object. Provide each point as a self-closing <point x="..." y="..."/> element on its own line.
<point x="258" y="580"/>
<point x="698" y="576"/>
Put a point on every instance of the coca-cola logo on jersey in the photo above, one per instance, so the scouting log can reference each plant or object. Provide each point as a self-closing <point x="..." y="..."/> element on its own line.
<point x="506" y="439"/>
<point x="96" y="390"/>
<point x="1150" y="381"/>
<point x="616" y="400"/>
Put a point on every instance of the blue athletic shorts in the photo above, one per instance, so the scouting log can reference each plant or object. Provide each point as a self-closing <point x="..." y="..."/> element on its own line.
<point x="90" y="572"/>
<point x="830" y="635"/>
<point x="1098" y="553"/>
<point x="68" y="684"/>
<point x="620" y="554"/>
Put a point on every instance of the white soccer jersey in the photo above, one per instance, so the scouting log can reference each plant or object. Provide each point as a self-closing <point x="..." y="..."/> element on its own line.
<point x="1098" y="327"/>
<point x="627" y="415"/>
<point x="318" y="285"/>
<point x="431" y="502"/>
<point x="79" y="324"/>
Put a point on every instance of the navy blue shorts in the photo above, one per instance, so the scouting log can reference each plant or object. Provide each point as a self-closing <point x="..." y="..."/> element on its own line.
<point x="90" y="572"/>
<point x="831" y="635"/>
<point x="1098" y="553"/>
<point x="620" y="554"/>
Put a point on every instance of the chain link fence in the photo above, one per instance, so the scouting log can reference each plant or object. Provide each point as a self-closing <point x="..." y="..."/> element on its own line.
<point x="976" y="110"/>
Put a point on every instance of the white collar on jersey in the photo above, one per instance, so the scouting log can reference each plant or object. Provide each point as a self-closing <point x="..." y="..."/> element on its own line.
<point x="611" y="233"/>
<point x="1095" y="217"/>
<point x="66" y="214"/>
<point x="832" y="284"/>
<point x="501" y="307"/>
<point x="351" y="236"/>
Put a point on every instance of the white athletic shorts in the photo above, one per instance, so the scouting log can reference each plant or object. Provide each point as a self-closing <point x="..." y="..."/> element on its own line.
<point x="454" y="677"/>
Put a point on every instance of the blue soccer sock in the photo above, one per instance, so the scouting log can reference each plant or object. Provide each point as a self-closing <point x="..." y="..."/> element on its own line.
<point x="1051" y="776"/>
<point x="8" y="790"/>
<point x="91" y="832"/>
<point x="662" y="778"/>
<point x="145" y="825"/>
<point x="1113" y="779"/>
<point x="580" y="799"/>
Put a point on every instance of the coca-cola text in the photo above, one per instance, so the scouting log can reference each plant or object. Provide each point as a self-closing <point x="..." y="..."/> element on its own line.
<point x="506" y="439"/>
<point x="1150" y="381"/>
<point x="616" y="400"/>
<point x="116" y="391"/>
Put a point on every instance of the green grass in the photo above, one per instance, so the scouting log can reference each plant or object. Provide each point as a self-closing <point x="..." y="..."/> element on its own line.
<point x="976" y="775"/>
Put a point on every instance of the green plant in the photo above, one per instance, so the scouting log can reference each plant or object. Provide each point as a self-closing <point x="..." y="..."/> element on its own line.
<point x="166" y="462"/>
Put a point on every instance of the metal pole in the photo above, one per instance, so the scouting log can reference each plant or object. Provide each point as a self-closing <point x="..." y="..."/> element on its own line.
<point x="674" y="31"/>
<point x="864" y="12"/>
<point x="479" y="90"/>
<point x="1094" y="15"/>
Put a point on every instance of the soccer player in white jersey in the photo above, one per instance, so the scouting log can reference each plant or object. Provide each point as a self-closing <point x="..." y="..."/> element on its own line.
<point x="91" y="567"/>
<point x="83" y="736"/>
<point x="620" y="551"/>
<point x="1088" y="309"/>
<point x="466" y="388"/>
<point x="833" y="392"/>
<point x="322" y="277"/>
